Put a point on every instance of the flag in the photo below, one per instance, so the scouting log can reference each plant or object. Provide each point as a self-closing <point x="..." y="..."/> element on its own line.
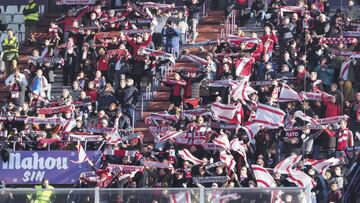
<point x="228" y="159"/>
<point x="236" y="146"/>
<point x="285" y="166"/>
<point x="288" y="94"/>
<point x="82" y="156"/>
<point x="225" y="198"/>
<point x="301" y="179"/>
<point x="241" y="90"/>
<point x="244" y="67"/>
<point x="344" y="71"/>
<point x="187" y="156"/>
<point x="269" y="116"/>
<point x="180" y="197"/>
<point x="251" y="130"/>
<point x="224" y="112"/>
<point x="322" y="165"/>
<point x="263" y="177"/>
<point x="222" y="141"/>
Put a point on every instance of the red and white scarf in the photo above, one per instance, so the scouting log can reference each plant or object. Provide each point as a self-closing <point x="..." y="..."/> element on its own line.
<point x="195" y="59"/>
<point x="338" y="40"/>
<point x="156" y="164"/>
<point x="292" y="9"/>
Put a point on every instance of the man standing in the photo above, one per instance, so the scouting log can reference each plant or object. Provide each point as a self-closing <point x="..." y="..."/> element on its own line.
<point x="31" y="14"/>
<point x="172" y="38"/>
<point x="10" y="48"/>
<point x="130" y="99"/>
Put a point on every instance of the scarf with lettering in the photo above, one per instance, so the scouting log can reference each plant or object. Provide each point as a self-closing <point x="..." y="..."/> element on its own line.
<point x="160" y="54"/>
<point x="195" y="59"/>
<point x="338" y="40"/>
<point x="198" y="44"/>
<point x="195" y="112"/>
<point x="156" y="164"/>
<point x="125" y="169"/>
<point x="36" y="120"/>
<point x="56" y="110"/>
<point x="122" y="152"/>
<point x="174" y="82"/>
<point x="210" y="179"/>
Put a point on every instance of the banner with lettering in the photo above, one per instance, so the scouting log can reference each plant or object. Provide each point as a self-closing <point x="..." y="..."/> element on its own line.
<point x="74" y="2"/>
<point x="30" y="167"/>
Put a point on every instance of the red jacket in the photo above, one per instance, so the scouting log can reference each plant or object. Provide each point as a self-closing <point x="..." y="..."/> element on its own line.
<point x="332" y="109"/>
<point x="137" y="46"/>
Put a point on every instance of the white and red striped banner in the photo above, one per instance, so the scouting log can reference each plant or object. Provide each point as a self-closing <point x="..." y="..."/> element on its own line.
<point x="252" y="129"/>
<point x="180" y="197"/>
<point x="187" y="156"/>
<point x="243" y="67"/>
<point x="224" y="112"/>
<point x="301" y="179"/>
<point x="228" y="159"/>
<point x="222" y="141"/>
<point x="241" y="90"/>
<point x="82" y="156"/>
<point x="285" y="166"/>
<point x="288" y="94"/>
<point x="322" y="165"/>
<point x="269" y="116"/>
<point x="263" y="177"/>
<point x="225" y="198"/>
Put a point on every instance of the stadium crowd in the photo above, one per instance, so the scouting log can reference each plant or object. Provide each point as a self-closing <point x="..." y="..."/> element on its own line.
<point x="278" y="109"/>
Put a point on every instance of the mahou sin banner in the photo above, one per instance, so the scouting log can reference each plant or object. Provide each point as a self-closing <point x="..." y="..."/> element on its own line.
<point x="30" y="167"/>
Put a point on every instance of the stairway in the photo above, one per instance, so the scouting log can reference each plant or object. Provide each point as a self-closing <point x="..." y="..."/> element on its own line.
<point x="209" y="29"/>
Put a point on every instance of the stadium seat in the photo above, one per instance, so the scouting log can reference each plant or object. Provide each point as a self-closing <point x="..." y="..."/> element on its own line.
<point x="14" y="27"/>
<point x="41" y="9"/>
<point x="2" y="9"/>
<point x="11" y="10"/>
<point x="22" y="28"/>
<point x="21" y="9"/>
<point x="6" y="19"/>
<point x="19" y="19"/>
<point x="2" y="37"/>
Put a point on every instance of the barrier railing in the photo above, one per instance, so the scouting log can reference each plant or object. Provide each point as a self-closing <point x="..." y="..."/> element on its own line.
<point x="230" y="23"/>
<point x="194" y="195"/>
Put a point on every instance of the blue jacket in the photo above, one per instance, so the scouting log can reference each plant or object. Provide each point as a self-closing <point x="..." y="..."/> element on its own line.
<point x="326" y="75"/>
<point x="172" y="37"/>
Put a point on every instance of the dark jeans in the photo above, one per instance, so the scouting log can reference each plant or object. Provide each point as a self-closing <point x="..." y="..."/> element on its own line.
<point x="130" y="111"/>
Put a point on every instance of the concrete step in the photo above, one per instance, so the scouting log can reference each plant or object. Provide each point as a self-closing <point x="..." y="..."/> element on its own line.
<point x="158" y="106"/>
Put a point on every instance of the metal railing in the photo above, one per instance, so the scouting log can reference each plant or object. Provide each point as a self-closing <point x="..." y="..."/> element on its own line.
<point x="194" y="195"/>
<point x="14" y="145"/>
<point x="230" y="23"/>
